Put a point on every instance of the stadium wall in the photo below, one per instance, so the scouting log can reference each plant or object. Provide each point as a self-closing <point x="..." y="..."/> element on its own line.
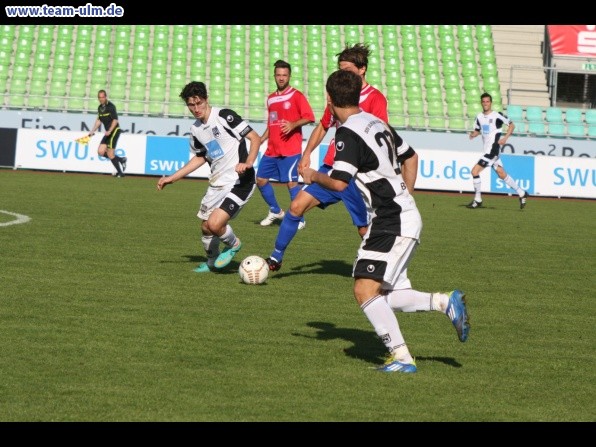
<point x="46" y="141"/>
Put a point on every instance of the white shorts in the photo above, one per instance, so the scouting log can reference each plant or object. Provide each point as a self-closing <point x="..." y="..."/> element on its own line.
<point x="230" y="198"/>
<point x="388" y="265"/>
<point x="486" y="162"/>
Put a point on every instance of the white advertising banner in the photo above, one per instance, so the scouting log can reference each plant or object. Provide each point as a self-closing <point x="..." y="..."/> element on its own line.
<point x="441" y="170"/>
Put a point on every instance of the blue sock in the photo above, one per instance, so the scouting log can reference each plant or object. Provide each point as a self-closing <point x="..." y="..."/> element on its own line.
<point x="293" y="193"/>
<point x="287" y="231"/>
<point x="269" y="196"/>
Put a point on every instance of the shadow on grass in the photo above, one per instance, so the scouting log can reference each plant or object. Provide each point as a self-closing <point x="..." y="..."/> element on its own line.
<point x="326" y="267"/>
<point x="365" y="344"/>
<point x="194" y="260"/>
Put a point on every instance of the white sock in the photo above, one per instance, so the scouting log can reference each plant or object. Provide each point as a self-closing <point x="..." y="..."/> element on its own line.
<point x="513" y="185"/>
<point x="477" y="192"/>
<point x="409" y="300"/>
<point x="386" y="326"/>
<point x="229" y="238"/>
<point x="211" y="246"/>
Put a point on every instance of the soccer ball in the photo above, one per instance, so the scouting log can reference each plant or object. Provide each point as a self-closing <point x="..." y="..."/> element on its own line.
<point x="253" y="270"/>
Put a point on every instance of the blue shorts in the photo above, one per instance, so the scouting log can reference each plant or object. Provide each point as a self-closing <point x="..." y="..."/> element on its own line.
<point x="282" y="169"/>
<point x="350" y="196"/>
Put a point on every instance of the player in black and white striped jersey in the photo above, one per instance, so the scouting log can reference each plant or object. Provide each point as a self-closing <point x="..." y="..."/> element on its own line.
<point x="369" y="150"/>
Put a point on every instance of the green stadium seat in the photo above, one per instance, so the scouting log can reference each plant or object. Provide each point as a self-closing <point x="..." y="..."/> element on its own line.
<point x="485" y="43"/>
<point x="556" y="129"/>
<point x="64" y="33"/>
<point x="537" y="127"/>
<point x="457" y="123"/>
<point x="448" y="54"/>
<point x="6" y="44"/>
<point x="576" y="130"/>
<point x="236" y="97"/>
<point x="554" y="115"/>
<point x="218" y="37"/>
<point x="466" y="43"/>
<point x="414" y="93"/>
<point x="450" y="67"/>
<point x="176" y="108"/>
<point x="451" y="80"/>
<point x="432" y="80"/>
<point x="390" y="34"/>
<point x="574" y="116"/>
<point x="515" y="113"/>
<point x="471" y="82"/>
<point x="446" y="30"/>
<point x="487" y="56"/>
<point x="161" y="35"/>
<point x="469" y="68"/>
<point x="592" y="131"/>
<point x="136" y="107"/>
<point x="103" y="33"/>
<point x="465" y="30"/>
<point x="415" y="107"/>
<point x="8" y="31"/>
<point x="117" y="92"/>
<point x="427" y="41"/>
<point x="430" y="54"/>
<point x="534" y="113"/>
<point x="37" y="93"/>
<point x="408" y="35"/>
<point x="20" y="73"/>
<point x="57" y="94"/>
<point x="142" y="34"/>
<point x="467" y="56"/>
<point x="455" y="109"/>
<point x="352" y="34"/>
<point x="590" y="116"/>
<point x="84" y="33"/>
<point x="453" y="94"/>
<point x="122" y="35"/>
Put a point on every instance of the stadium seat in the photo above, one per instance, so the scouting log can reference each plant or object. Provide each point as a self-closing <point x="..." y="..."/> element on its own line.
<point x="218" y="36"/>
<point x="432" y="80"/>
<point x="534" y="113"/>
<point x="576" y="130"/>
<point x="467" y="55"/>
<point x="408" y="35"/>
<point x="352" y="34"/>
<point x="592" y="131"/>
<point x="574" y="116"/>
<point x="514" y="113"/>
<point x="448" y="54"/>
<point x="537" y="127"/>
<point x="84" y="33"/>
<point x="556" y="129"/>
<point x="142" y="34"/>
<point x="57" y="94"/>
<point x="465" y="30"/>
<point x="554" y="115"/>
<point x="466" y="43"/>
<point x="591" y="116"/>
<point x="161" y="35"/>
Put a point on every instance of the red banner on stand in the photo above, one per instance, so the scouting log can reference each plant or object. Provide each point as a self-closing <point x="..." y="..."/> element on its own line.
<point x="573" y="40"/>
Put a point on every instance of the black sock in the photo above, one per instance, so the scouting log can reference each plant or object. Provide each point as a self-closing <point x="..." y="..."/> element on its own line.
<point x="116" y="162"/>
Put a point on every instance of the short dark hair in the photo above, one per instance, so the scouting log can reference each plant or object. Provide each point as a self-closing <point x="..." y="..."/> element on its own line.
<point x="194" y="88"/>
<point x="486" y="95"/>
<point x="344" y="88"/>
<point x="356" y="54"/>
<point x="102" y="91"/>
<point x="282" y="64"/>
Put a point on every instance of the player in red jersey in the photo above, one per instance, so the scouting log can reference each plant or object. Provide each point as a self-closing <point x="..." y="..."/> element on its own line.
<point x="355" y="59"/>
<point x="288" y="110"/>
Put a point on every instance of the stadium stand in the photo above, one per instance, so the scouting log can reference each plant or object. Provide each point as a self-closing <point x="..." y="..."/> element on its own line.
<point x="433" y="75"/>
